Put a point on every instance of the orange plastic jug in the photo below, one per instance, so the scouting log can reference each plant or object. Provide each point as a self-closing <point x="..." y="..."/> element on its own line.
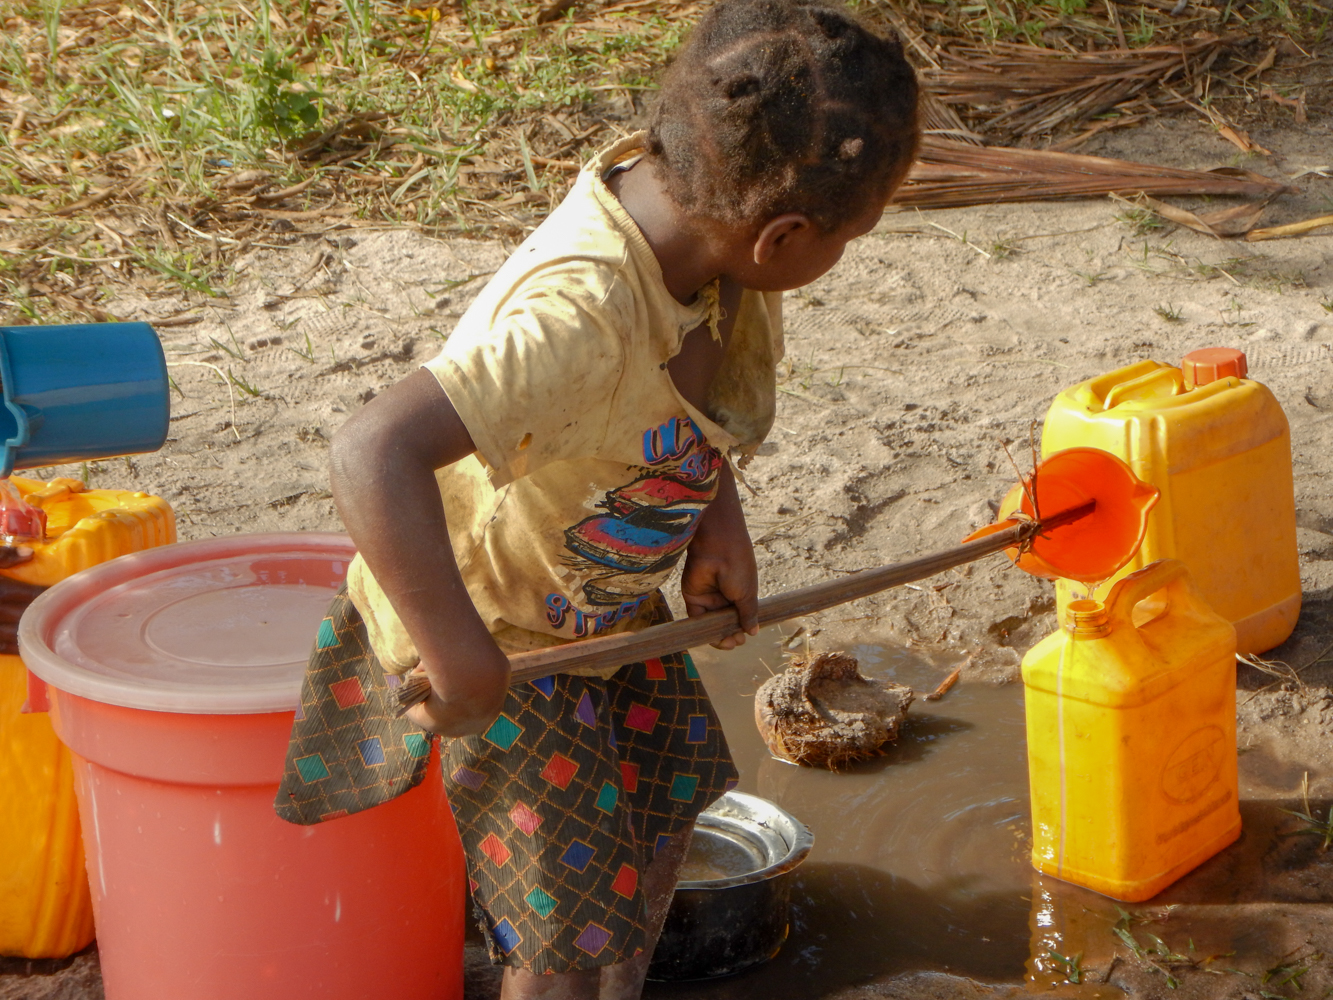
<point x="1131" y="730"/>
<point x="45" y="908"/>
<point x="1218" y="447"/>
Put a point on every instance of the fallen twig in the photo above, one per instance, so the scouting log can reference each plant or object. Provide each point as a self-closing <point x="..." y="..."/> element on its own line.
<point x="949" y="681"/>
<point x="226" y="381"/>
<point x="1290" y="229"/>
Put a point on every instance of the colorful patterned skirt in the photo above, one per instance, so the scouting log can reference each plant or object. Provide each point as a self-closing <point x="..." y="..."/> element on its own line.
<point x="560" y="804"/>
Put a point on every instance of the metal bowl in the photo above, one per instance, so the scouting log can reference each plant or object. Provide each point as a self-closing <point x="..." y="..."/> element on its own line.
<point x="733" y="914"/>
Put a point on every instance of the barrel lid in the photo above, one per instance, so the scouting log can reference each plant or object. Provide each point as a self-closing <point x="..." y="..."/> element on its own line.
<point x="1209" y="364"/>
<point x="218" y="626"/>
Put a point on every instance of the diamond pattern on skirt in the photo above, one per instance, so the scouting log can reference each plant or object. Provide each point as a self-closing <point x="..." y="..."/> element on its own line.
<point x="493" y="847"/>
<point x="560" y="771"/>
<point x="593" y="939"/>
<point x="578" y="856"/>
<point x="627" y="880"/>
<point x="641" y="718"/>
<point x="541" y="901"/>
<point x="596" y="806"/>
<point x="525" y="819"/>
<point x="348" y="751"/>
<point x="555" y="807"/>
<point x="348" y="693"/>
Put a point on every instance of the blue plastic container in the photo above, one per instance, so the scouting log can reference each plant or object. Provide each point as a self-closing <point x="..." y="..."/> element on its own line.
<point x="79" y="393"/>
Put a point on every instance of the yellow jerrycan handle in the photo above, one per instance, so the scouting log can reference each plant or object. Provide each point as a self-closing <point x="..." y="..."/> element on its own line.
<point x="1159" y="384"/>
<point x="1170" y="575"/>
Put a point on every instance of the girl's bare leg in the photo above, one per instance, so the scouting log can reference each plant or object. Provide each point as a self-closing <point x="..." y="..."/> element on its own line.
<point x="612" y="982"/>
<point x="520" y="984"/>
<point x="625" y="981"/>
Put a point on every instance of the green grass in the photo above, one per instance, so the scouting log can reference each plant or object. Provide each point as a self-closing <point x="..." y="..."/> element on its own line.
<point x="1071" y="968"/>
<point x="148" y="119"/>
<point x="1320" y="827"/>
<point x="151" y="144"/>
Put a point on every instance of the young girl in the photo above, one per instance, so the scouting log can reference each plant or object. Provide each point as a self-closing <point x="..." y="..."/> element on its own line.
<point x="537" y="482"/>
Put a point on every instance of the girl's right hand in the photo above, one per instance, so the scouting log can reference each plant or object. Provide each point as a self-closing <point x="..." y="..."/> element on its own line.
<point x="464" y="702"/>
<point x="382" y="467"/>
<point x="434" y="715"/>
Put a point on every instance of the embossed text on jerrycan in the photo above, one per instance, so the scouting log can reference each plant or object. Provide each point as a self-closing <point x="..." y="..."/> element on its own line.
<point x="1131" y="728"/>
<point x="1218" y="447"/>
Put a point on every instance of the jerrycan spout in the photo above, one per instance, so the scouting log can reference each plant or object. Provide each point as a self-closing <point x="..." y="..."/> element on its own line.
<point x="1088" y="619"/>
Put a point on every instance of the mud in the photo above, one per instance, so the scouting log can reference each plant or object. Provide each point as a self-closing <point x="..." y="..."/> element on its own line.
<point x="921" y="864"/>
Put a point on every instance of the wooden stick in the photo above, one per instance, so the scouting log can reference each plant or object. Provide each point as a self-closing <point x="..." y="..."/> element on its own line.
<point x="949" y="681"/>
<point x="661" y="640"/>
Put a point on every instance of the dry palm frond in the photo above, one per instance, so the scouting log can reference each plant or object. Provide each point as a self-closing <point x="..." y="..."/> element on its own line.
<point x="952" y="174"/>
<point x="937" y="118"/>
<point x="1012" y="90"/>
<point x="1237" y="220"/>
<point x="822" y="712"/>
<point x="1291" y="228"/>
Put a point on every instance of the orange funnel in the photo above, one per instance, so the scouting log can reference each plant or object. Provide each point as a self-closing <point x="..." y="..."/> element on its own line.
<point x="1094" y="547"/>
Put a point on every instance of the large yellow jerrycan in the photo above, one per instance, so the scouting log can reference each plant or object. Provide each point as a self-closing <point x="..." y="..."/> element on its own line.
<point x="1217" y="446"/>
<point x="45" y="907"/>
<point x="1131" y="730"/>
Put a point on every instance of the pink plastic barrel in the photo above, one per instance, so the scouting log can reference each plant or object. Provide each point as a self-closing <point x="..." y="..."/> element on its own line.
<point x="173" y="677"/>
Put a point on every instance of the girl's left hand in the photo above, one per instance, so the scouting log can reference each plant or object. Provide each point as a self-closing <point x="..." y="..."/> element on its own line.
<point x="720" y="569"/>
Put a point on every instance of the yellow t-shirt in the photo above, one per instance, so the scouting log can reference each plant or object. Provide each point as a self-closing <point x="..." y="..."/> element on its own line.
<point x="591" y="470"/>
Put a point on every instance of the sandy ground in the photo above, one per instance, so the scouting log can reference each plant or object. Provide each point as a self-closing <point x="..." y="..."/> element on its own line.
<point x="939" y="337"/>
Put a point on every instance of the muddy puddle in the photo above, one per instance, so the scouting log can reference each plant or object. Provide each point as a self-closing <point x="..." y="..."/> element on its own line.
<point x="921" y="857"/>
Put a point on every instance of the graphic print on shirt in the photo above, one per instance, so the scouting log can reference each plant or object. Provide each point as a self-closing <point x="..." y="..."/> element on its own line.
<point x="624" y="553"/>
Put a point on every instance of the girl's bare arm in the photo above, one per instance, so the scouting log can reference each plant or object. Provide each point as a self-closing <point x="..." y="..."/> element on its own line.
<point x="720" y="569"/>
<point x="382" y="466"/>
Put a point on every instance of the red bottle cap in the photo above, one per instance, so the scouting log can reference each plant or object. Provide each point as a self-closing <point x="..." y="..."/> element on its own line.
<point x="1212" y="363"/>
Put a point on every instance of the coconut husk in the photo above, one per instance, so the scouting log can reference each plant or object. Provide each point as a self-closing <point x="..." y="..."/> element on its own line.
<point x="823" y="712"/>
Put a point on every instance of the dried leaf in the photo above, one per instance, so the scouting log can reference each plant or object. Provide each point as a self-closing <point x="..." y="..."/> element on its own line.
<point x="1265" y="63"/>
<point x="88" y="202"/>
<point x="244" y="179"/>
<point x="1235" y="221"/>
<point x="555" y="11"/>
<point x="463" y="83"/>
<point x="1297" y="103"/>
<point x="1015" y="90"/>
<point x="1241" y="140"/>
<point x="1291" y="229"/>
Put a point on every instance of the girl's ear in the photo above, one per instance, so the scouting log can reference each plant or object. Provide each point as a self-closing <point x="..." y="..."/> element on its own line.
<point x="778" y="233"/>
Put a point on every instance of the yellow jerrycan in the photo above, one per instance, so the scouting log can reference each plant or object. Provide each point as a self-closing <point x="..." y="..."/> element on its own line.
<point x="1131" y="728"/>
<point x="1217" y="446"/>
<point x="45" y="906"/>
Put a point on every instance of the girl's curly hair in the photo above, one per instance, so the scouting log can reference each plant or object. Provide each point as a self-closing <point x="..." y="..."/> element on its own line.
<point x="777" y="106"/>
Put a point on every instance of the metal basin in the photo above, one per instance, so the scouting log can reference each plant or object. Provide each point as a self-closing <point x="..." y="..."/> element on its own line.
<point x="730" y="910"/>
